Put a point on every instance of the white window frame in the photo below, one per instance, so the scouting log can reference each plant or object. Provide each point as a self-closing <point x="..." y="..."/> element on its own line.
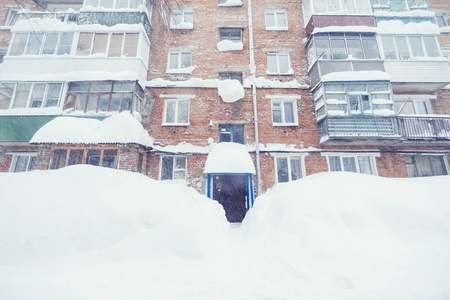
<point x="276" y="11"/>
<point x="15" y="157"/>
<point x="174" y="169"/>
<point x="41" y="49"/>
<point x="282" y="99"/>
<point x="115" y="4"/>
<point x="12" y="12"/>
<point x="278" y="54"/>
<point x="301" y="157"/>
<point x="341" y="155"/>
<point x="184" y="24"/>
<point x="415" y="100"/>
<point x="444" y="17"/>
<point x="179" y="70"/>
<point x="108" y="44"/>
<point x="30" y="92"/>
<point x="408" y="43"/>
<point x="176" y="98"/>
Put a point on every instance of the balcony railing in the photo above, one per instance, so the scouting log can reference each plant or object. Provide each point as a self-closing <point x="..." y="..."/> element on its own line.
<point x="434" y="129"/>
<point x="405" y="130"/>
<point x="358" y="128"/>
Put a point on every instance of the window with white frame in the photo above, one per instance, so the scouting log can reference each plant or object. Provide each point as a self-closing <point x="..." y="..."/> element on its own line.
<point x="29" y="94"/>
<point x="179" y="61"/>
<point x="316" y="7"/>
<point x="176" y="111"/>
<point x="278" y="63"/>
<point x="173" y="168"/>
<point x="284" y="112"/>
<point x="181" y="18"/>
<point x="230" y="76"/>
<point x="442" y="19"/>
<point x="353" y="98"/>
<point x="12" y="16"/>
<point x="289" y="168"/>
<point x="41" y="43"/>
<point x="111" y="44"/>
<point x="358" y="163"/>
<point x="413" y="106"/>
<point x="399" y="5"/>
<point x="23" y="162"/>
<point x="343" y="46"/>
<point x="114" y="3"/>
<point x="276" y="19"/>
<point x="425" y="165"/>
<point x="405" y="47"/>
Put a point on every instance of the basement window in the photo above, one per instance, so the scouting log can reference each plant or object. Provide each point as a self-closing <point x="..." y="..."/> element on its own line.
<point x="75" y="156"/>
<point x="23" y="162"/>
<point x="289" y="168"/>
<point x="352" y="163"/>
<point x="425" y="165"/>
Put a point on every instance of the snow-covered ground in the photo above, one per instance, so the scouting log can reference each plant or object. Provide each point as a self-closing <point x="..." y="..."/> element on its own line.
<point x="86" y="232"/>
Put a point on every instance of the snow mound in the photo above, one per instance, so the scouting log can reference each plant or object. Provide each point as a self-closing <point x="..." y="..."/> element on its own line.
<point x="230" y="90"/>
<point x="104" y="207"/>
<point x="354" y="236"/>
<point x="227" y="45"/>
<point x="120" y="128"/>
<point x="229" y="158"/>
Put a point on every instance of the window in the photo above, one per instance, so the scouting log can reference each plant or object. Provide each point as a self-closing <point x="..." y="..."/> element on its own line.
<point x="41" y="44"/>
<point x="352" y="163"/>
<point x="231" y="133"/>
<point x="442" y="19"/>
<point x="12" y="16"/>
<point x="278" y="63"/>
<point x="29" y="95"/>
<point x="176" y="111"/>
<point x="403" y="47"/>
<point x="289" y="168"/>
<point x="23" y="162"/>
<point x="315" y="7"/>
<point x="231" y="75"/>
<point x="110" y="44"/>
<point x="97" y="157"/>
<point x="141" y="162"/>
<point x="399" y="5"/>
<point x="425" y="165"/>
<point x="181" y="18"/>
<point x="114" y="3"/>
<point x="173" y="168"/>
<point x="179" y="60"/>
<point x="342" y="46"/>
<point x="414" y="106"/>
<point x="104" y="96"/>
<point x="230" y="34"/>
<point x="276" y="19"/>
<point x="284" y="112"/>
<point x="354" y="98"/>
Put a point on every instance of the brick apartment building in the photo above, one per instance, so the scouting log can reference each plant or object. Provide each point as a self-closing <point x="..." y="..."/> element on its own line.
<point x="326" y="85"/>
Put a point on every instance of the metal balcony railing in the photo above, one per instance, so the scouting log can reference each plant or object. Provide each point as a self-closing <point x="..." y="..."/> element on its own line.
<point x="424" y="128"/>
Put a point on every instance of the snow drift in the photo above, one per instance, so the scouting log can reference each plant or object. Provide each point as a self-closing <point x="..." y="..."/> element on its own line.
<point x="85" y="232"/>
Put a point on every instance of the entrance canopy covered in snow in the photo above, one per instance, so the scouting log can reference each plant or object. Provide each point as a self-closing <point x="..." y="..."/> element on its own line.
<point x="229" y="158"/>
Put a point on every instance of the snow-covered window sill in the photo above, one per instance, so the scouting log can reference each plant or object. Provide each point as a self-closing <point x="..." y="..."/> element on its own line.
<point x="190" y="27"/>
<point x="180" y="71"/>
<point x="277" y="28"/>
<point x="285" y="124"/>
<point x="175" y="124"/>
<point x="291" y="72"/>
<point x="5" y="27"/>
<point x="231" y="3"/>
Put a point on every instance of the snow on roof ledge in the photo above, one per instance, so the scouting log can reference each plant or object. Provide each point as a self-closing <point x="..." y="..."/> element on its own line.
<point x="121" y="128"/>
<point x="229" y="158"/>
<point x="356" y="76"/>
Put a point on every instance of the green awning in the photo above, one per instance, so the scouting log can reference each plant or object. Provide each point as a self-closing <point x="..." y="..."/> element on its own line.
<point x="21" y="128"/>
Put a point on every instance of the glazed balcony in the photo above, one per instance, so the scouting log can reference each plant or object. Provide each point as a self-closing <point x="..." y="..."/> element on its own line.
<point x="358" y="131"/>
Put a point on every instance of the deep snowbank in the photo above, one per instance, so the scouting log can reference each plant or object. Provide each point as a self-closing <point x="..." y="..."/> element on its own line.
<point x="86" y="232"/>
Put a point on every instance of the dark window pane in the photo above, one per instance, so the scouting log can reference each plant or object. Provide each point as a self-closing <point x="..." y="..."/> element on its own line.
<point x="225" y="133"/>
<point x="109" y="158"/>
<point x="75" y="157"/>
<point x="423" y="165"/>
<point x="438" y="165"/>
<point x="93" y="157"/>
<point x="104" y="102"/>
<point x="335" y="163"/>
<point x="166" y="168"/>
<point x="282" y="170"/>
<point x="238" y="134"/>
<point x="59" y="158"/>
<point x="349" y="164"/>
<point x="296" y="169"/>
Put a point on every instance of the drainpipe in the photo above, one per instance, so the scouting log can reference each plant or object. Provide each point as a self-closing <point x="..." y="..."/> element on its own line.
<point x="255" y="106"/>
